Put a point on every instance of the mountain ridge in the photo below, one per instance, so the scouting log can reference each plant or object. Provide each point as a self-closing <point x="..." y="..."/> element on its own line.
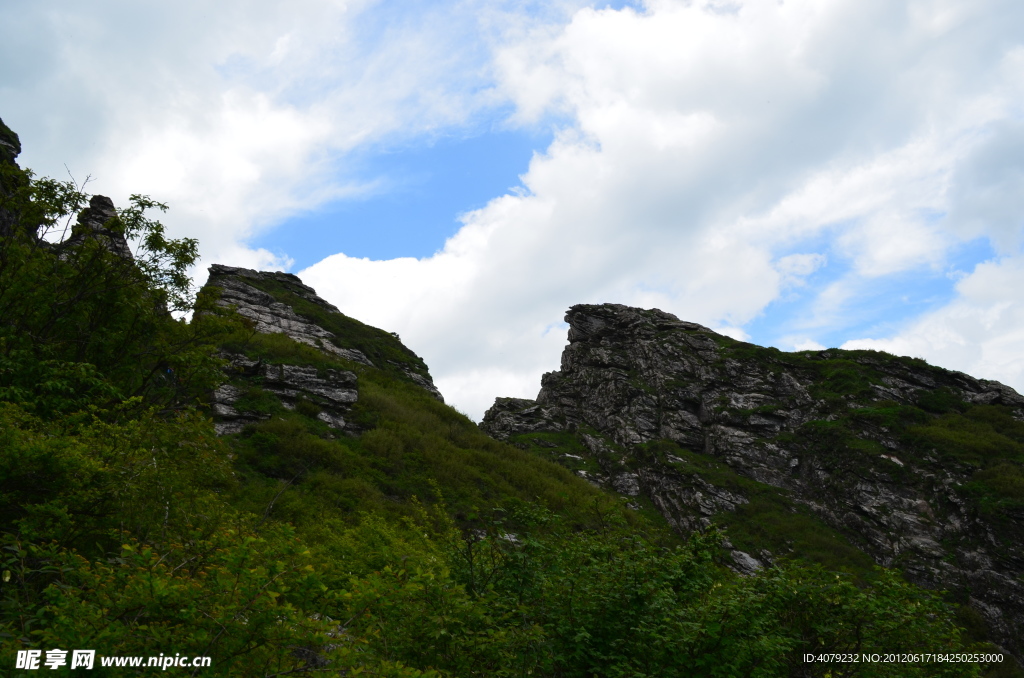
<point x="234" y="484"/>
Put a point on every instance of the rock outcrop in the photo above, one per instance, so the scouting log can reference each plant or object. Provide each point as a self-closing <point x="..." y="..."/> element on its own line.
<point x="11" y="177"/>
<point x="866" y="442"/>
<point x="272" y="316"/>
<point x="269" y="301"/>
<point x="94" y="223"/>
<point x="332" y="392"/>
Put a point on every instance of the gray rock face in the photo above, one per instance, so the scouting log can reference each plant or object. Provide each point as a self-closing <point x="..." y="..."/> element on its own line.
<point x="237" y="403"/>
<point x="92" y="224"/>
<point x="687" y="502"/>
<point x="745" y="563"/>
<point x="518" y="415"/>
<point x="631" y="376"/>
<point x="334" y="392"/>
<point x="272" y="316"/>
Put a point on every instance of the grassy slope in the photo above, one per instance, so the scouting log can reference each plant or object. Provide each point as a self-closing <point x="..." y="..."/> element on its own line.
<point x="294" y="468"/>
<point x="413" y="447"/>
<point x="938" y="431"/>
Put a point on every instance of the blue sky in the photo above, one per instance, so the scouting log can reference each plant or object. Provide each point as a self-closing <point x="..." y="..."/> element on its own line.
<point x="421" y="189"/>
<point x="809" y="173"/>
<point x="878" y="307"/>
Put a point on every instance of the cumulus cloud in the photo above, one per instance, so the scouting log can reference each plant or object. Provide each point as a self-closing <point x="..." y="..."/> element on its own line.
<point x="708" y="157"/>
<point x="987" y="188"/>
<point x="796" y="267"/>
<point x="807" y="345"/>
<point x="981" y="332"/>
<point x="706" y="145"/>
<point x="239" y="114"/>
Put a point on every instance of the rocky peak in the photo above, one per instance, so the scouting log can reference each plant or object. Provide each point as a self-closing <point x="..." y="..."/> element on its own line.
<point x="891" y="456"/>
<point x="10" y="145"/>
<point x="95" y="222"/>
<point x="272" y="316"/>
<point x="591" y="323"/>
<point x="280" y="303"/>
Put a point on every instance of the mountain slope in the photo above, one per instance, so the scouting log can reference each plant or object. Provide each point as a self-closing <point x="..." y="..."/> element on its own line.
<point x="349" y="418"/>
<point x="335" y="516"/>
<point x="828" y="456"/>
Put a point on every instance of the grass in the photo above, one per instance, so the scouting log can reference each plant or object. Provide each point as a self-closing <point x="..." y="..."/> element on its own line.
<point x="412" y="447"/>
<point x="560" y="447"/>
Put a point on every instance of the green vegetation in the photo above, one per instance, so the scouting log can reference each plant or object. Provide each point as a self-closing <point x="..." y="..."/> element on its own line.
<point x="418" y="548"/>
<point x="415" y="442"/>
<point x="770" y="520"/>
<point x="940" y="429"/>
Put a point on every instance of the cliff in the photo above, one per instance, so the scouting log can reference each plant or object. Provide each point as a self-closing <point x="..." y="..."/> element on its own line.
<point x="279" y="303"/>
<point x="824" y="455"/>
<point x="11" y="177"/>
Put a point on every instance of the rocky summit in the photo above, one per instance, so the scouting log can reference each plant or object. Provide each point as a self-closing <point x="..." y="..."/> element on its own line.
<point x="829" y="456"/>
<point x="279" y="303"/>
<point x="92" y="224"/>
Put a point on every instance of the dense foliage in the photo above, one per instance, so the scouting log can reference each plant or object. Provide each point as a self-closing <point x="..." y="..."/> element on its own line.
<point x="419" y="548"/>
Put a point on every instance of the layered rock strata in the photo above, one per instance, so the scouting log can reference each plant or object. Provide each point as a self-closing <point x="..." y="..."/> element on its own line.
<point x="272" y="316"/>
<point x="237" y="289"/>
<point x="333" y="392"/>
<point x="631" y="378"/>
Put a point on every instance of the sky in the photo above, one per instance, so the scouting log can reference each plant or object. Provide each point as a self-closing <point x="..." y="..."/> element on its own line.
<point x="795" y="173"/>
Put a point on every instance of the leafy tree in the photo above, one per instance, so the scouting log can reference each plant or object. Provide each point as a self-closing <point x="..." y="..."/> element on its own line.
<point x="80" y="324"/>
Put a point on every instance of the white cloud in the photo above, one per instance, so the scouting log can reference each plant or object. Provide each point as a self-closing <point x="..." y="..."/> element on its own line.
<point x="704" y="142"/>
<point x="734" y="332"/>
<point x="709" y="154"/>
<point x="795" y="267"/>
<point x="807" y="345"/>
<point x="988" y="187"/>
<point x="981" y="332"/>
<point x="237" y="114"/>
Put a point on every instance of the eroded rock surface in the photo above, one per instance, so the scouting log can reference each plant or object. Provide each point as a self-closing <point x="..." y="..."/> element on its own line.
<point x="93" y="223"/>
<point x="238" y="288"/>
<point x="327" y="393"/>
<point x="333" y="392"/>
<point x="635" y="384"/>
<point x="272" y="316"/>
